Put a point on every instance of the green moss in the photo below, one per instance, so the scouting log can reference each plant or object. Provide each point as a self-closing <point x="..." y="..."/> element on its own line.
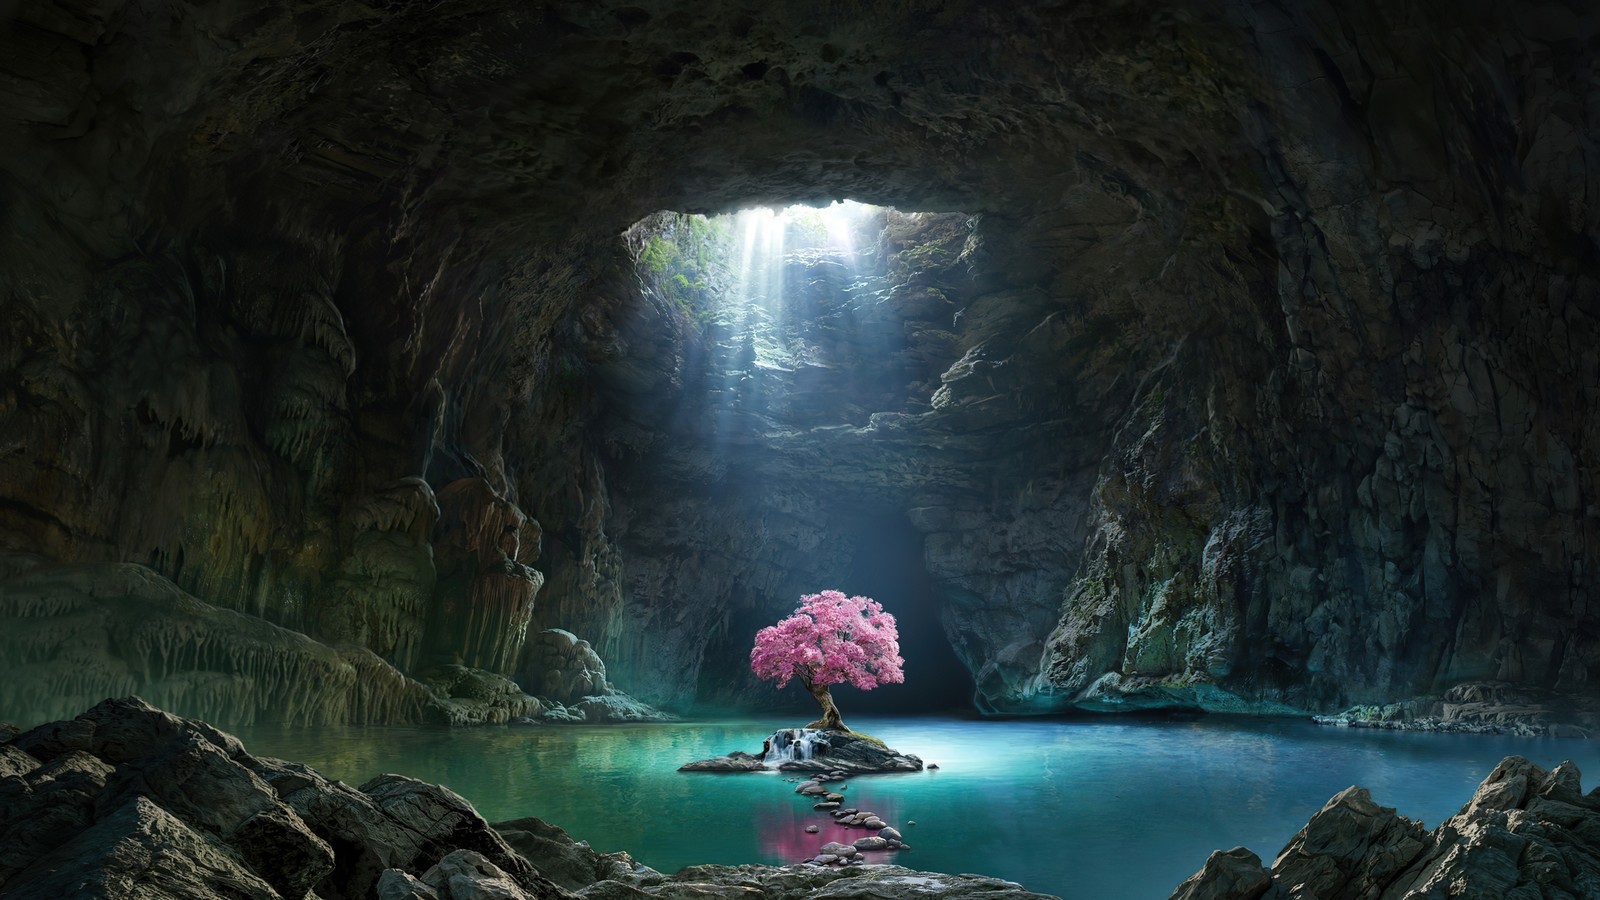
<point x="870" y="739"/>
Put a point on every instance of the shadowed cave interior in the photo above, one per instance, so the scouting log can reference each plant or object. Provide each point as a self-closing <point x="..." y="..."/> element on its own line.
<point x="1258" y="387"/>
<point x="478" y="363"/>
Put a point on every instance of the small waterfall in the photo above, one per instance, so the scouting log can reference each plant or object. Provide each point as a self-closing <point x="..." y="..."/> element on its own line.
<point x="791" y="744"/>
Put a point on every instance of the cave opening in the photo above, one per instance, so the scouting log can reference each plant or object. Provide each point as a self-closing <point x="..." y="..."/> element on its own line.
<point x="768" y="358"/>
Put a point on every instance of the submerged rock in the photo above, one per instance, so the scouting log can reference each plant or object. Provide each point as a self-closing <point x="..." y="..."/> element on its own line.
<point x="1525" y="832"/>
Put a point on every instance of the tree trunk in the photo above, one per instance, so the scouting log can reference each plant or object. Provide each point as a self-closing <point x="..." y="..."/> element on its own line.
<point x="830" y="720"/>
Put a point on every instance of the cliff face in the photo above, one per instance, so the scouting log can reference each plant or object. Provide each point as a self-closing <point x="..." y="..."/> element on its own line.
<point x="1259" y="368"/>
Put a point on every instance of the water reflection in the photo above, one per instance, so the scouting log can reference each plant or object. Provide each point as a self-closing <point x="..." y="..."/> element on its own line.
<point x="1090" y="808"/>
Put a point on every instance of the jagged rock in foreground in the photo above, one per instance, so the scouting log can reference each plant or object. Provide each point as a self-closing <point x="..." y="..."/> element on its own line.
<point x="1526" y="832"/>
<point x="129" y="802"/>
<point x="839" y="751"/>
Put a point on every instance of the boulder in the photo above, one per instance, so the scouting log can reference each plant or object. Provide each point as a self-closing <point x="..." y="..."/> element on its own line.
<point x="561" y="859"/>
<point x="128" y="801"/>
<point x="1526" y="832"/>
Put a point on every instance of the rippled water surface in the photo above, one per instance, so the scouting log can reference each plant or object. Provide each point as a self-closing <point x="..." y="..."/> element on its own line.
<point x="1079" y="808"/>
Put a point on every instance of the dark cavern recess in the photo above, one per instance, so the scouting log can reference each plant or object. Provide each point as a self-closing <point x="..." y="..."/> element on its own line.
<point x="370" y="363"/>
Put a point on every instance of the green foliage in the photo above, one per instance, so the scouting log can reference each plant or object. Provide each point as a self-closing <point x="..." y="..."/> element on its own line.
<point x="684" y="259"/>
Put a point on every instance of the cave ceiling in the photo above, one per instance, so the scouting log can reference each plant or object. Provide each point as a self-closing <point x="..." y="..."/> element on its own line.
<point x="1260" y="374"/>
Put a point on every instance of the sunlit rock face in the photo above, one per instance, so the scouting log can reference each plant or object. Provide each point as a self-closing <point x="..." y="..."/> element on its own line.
<point x="1263" y="374"/>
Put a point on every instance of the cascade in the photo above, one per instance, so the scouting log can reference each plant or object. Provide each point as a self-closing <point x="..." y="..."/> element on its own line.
<point x="788" y="744"/>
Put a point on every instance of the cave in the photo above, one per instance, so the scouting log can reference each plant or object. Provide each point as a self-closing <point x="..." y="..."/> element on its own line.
<point x="1166" y="368"/>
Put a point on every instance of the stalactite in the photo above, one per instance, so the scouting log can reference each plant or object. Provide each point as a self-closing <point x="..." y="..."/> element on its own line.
<point x="486" y="595"/>
<point x="81" y="633"/>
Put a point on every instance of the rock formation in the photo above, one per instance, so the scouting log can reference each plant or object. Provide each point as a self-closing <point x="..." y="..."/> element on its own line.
<point x="1526" y="832"/>
<point x="1247" y="358"/>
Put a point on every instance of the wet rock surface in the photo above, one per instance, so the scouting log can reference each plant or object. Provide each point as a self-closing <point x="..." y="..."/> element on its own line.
<point x="1265" y="350"/>
<point x="836" y="753"/>
<point x="126" y="801"/>
<point x="1526" y="832"/>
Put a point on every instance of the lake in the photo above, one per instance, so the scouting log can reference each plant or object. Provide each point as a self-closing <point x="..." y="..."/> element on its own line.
<point x="1091" y="808"/>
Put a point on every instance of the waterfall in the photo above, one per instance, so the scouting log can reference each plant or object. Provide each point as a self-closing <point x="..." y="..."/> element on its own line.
<point x="791" y="744"/>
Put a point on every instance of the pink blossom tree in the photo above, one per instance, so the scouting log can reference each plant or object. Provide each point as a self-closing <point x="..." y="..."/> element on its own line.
<point x="831" y="639"/>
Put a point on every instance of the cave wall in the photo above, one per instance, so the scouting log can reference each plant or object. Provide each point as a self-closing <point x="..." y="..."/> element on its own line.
<point x="1269" y="371"/>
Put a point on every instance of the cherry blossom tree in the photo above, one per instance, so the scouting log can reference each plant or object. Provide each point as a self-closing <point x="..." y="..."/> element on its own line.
<point x="831" y="639"/>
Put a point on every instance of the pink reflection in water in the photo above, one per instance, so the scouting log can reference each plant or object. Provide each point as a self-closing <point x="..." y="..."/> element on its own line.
<point x="783" y="829"/>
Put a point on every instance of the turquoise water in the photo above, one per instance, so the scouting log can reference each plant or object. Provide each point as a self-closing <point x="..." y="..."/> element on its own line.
<point x="1079" y="808"/>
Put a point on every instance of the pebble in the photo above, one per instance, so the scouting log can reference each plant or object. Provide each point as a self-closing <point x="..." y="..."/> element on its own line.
<point x="813" y="829"/>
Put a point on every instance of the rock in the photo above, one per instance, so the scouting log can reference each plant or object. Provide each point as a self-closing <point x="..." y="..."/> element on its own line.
<point x="1234" y="874"/>
<point x="871" y="843"/>
<point x="890" y="834"/>
<point x="1526" y="831"/>
<point x="827" y="805"/>
<point x="572" y="670"/>
<point x="813" y="829"/>
<point x="140" y="852"/>
<point x="849" y="753"/>
<point x="737" y="761"/>
<point x="810" y="788"/>
<point x="619" y="707"/>
<point x="465" y="875"/>
<point x="474" y="697"/>
<point x="837" y="849"/>
<point x="449" y="823"/>
<point x="873" y="822"/>
<point x="570" y="864"/>
<point x="395" y="884"/>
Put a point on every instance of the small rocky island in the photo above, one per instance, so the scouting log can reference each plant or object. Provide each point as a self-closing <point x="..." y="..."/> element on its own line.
<point x="815" y="751"/>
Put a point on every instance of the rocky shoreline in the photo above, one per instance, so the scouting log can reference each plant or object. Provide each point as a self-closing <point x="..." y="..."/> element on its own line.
<point x="1481" y="707"/>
